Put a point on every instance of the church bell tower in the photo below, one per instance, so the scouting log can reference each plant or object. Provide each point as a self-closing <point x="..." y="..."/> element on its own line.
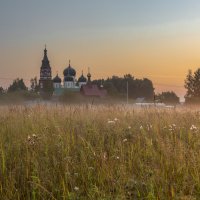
<point x="45" y="82"/>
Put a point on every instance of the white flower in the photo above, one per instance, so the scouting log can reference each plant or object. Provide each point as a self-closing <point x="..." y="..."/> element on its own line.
<point x="90" y="168"/>
<point x="149" y="127"/>
<point x="105" y="156"/>
<point x="117" y="157"/>
<point x="116" y="119"/>
<point x="111" y="122"/>
<point x="125" y="140"/>
<point x="76" y="188"/>
<point x="193" y="128"/>
<point x="172" y="127"/>
<point x="129" y="127"/>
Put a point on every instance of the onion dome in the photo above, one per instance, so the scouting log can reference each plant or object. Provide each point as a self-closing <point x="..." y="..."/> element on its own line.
<point x="68" y="79"/>
<point x="69" y="71"/>
<point x="82" y="78"/>
<point x="57" y="79"/>
<point x="89" y="75"/>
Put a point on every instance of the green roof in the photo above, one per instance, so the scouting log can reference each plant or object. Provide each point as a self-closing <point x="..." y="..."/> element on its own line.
<point x="60" y="91"/>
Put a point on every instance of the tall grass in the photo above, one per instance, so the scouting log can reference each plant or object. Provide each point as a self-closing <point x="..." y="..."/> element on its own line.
<point x="99" y="152"/>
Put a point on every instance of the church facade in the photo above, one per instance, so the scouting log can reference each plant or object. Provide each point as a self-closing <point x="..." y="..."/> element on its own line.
<point x="68" y="82"/>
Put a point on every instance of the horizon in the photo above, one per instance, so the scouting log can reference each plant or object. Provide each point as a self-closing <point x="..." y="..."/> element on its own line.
<point x="154" y="40"/>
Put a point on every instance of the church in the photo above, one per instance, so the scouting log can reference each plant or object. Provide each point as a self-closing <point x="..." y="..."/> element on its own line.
<point x="69" y="81"/>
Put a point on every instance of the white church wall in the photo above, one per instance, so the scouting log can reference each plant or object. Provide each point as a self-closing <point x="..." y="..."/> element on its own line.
<point x="82" y="83"/>
<point x="69" y="84"/>
<point x="56" y="85"/>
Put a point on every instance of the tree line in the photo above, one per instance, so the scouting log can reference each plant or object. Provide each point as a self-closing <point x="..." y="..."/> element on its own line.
<point x="192" y="85"/>
<point x="117" y="87"/>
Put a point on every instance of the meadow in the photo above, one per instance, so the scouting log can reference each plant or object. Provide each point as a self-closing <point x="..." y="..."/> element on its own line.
<point x="99" y="152"/>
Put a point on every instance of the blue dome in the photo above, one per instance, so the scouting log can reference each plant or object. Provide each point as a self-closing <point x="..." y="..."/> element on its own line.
<point x="68" y="79"/>
<point x="69" y="71"/>
<point x="82" y="79"/>
<point x="57" y="79"/>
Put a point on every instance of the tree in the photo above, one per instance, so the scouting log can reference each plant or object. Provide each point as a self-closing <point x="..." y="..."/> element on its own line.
<point x="196" y="83"/>
<point x="17" y="85"/>
<point x="34" y="85"/>
<point x="189" y="83"/>
<point x="192" y="85"/>
<point x="117" y="86"/>
<point x="1" y="90"/>
<point x="111" y="89"/>
<point x="168" y="97"/>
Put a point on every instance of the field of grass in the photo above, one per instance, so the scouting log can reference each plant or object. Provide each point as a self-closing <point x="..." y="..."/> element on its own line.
<point x="99" y="152"/>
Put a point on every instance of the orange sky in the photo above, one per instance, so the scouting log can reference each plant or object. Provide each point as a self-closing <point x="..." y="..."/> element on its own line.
<point x="157" y="40"/>
<point x="164" y="60"/>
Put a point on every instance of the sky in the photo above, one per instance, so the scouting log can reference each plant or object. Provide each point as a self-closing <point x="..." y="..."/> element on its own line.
<point x="156" y="39"/>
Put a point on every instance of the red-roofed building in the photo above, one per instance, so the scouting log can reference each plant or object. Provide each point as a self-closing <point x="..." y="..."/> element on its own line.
<point x="92" y="89"/>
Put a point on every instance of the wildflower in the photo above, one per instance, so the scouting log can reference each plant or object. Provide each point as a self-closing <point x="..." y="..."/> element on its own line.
<point x="193" y="128"/>
<point x="32" y="140"/>
<point x="111" y="122"/>
<point x="172" y="127"/>
<point x="149" y="127"/>
<point x="125" y="140"/>
<point x="129" y="127"/>
<point x="105" y="156"/>
<point x="76" y="188"/>
<point x="116" y="119"/>
<point x="117" y="157"/>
